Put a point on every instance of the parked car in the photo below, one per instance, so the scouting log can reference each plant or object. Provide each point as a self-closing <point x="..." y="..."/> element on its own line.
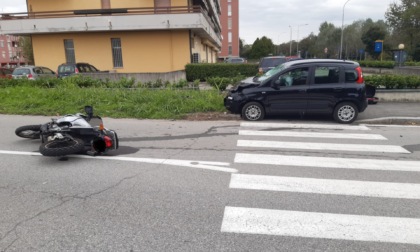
<point x="5" y="73"/>
<point x="268" y="63"/>
<point x="33" y="72"/>
<point x="70" y="69"/>
<point x="235" y="60"/>
<point x="333" y="87"/>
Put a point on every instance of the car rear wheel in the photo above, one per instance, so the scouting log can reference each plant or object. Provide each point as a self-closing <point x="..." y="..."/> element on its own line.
<point x="253" y="111"/>
<point x="345" y="112"/>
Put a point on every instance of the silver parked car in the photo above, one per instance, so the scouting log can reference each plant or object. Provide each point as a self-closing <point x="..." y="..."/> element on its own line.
<point x="33" y="72"/>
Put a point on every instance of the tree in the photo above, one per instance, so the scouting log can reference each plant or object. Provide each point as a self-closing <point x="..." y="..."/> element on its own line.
<point x="328" y="37"/>
<point x="374" y="31"/>
<point x="261" y="48"/>
<point x="404" y="19"/>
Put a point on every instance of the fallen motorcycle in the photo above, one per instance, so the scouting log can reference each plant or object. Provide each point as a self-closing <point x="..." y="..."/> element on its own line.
<point x="72" y="134"/>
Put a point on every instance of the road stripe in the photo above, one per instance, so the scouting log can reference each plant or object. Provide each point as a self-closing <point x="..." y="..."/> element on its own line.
<point x="321" y="225"/>
<point x="304" y="126"/>
<point x="329" y="162"/>
<point x="326" y="186"/>
<point x="311" y="135"/>
<point x="323" y="146"/>
<point x="207" y="165"/>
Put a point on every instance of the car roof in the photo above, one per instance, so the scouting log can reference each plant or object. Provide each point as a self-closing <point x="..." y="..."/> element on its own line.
<point x="274" y="57"/>
<point x="314" y="61"/>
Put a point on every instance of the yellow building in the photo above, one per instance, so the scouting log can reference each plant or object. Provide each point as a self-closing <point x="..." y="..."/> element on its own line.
<point x="123" y="36"/>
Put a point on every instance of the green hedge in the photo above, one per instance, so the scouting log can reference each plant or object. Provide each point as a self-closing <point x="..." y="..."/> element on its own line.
<point x="411" y="63"/>
<point x="391" y="81"/>
<point x="377" y="64"/>
<point x="204" y="71"/>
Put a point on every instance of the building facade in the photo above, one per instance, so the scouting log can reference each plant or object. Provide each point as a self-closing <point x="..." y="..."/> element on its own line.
<point x="10" y="51"/>
<point x="229" y="20"/>
<point x="123" y="36"/>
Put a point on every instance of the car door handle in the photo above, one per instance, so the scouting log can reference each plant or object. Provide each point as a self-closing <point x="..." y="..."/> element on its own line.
<point x="263" y="92"/>
<point x="338" y="89"/>
<point x="302" y="90"/>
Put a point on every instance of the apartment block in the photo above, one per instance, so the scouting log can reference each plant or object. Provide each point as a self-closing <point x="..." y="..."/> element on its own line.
<point x="123" y="36"/>
<point x="229" y="20"/>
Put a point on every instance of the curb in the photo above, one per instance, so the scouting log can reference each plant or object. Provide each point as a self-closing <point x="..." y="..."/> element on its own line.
<point x="392" y="120"/>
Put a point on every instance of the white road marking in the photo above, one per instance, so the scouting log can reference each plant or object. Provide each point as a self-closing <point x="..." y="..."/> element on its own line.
<point x="311" y="135"/>
<point x="207" y="165"/>
<point x="323" y="146"/>
<point x="321" y="225"/>
<point x="329" y="162"/>
<point x="304" y="126"/>
<point x="326" y="186"/>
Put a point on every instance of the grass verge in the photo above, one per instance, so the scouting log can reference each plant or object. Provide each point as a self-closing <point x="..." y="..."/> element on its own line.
<point x="115" y="103"/>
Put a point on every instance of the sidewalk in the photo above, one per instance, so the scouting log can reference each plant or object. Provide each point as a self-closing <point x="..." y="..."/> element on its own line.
<point x="391" y="113"/>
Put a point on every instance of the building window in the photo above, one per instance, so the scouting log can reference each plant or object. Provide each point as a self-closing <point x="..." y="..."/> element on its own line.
<point x="1" y="43"/>
<point x="230" y="50"/>
<point x="69" y="51"/>
<point x="116" y="52"/>
<point x="229" y="10"/>
<point x="196" y="58"/>
<point x="229" y="37"/>
<point x="230" y="23"/>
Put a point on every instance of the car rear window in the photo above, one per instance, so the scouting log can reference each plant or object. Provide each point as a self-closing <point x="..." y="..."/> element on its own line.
<point x="272" y="62"/>
<point x="350" y="75"/>
<point x="66" y="69"/>
<point x="21" y="71"/>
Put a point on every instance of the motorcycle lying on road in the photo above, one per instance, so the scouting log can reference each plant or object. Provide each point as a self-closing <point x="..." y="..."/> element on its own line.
<point x="72" y="134"/>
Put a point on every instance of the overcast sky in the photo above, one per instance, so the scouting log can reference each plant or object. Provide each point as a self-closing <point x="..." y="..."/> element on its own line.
<point x="272" y="18"/>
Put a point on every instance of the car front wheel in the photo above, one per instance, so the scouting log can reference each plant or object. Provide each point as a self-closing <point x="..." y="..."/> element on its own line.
<point x="253" y="111"/>
<point x="345" y="112"/>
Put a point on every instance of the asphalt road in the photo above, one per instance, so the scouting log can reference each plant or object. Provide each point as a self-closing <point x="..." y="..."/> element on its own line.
<point x="205" y="186"/>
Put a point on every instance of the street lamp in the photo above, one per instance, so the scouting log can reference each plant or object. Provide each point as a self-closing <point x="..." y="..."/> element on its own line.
<point x="291" y="29"/>
<point x="297" y="47"/>
<point x="342" y="30"/>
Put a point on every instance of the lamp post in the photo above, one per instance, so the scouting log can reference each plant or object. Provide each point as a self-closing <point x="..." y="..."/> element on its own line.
<point x="342" y="30"/>
<point x="400" y="54"/>
<point x="291" y="29"/>
<point x="297" y="47"/>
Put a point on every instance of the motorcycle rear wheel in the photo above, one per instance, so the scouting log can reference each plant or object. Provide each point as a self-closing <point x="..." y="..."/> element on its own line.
<point x="29" y="131"/>
<point x="62" y="147"/>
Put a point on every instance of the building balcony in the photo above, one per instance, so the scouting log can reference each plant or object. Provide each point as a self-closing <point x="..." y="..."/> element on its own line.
<point x="193" y="18"/>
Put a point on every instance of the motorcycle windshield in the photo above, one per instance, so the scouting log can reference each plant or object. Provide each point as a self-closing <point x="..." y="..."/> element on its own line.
<point x="96" y="121"/>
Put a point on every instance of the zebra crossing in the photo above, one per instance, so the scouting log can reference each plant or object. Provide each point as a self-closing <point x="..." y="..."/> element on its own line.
<point x="323" y="225"/>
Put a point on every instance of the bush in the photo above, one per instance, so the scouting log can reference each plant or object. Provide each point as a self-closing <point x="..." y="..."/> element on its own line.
<point x="204" y="71"/>
<point x="390" y="81"/>
<point x="377" y="64"/>
<point x="221" y="83"/>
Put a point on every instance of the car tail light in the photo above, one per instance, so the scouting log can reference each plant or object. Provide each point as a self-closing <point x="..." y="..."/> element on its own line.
<point x="76" y="70"/>
<point x="30" y="76"/>
<point x="360" y="79"/>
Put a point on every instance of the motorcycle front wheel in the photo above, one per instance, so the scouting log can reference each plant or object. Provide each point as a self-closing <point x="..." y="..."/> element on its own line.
<point x="29" y="131"/>
<point x="62" y="147"/>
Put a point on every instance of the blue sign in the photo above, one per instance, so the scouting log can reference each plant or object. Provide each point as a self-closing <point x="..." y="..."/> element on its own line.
<point x="378" y="46"/>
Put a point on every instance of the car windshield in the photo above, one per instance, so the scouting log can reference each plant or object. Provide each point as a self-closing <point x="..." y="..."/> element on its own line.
<point x="272" y="62"/>
<point x="66" y="69"/>
<point x="270" y="73"/>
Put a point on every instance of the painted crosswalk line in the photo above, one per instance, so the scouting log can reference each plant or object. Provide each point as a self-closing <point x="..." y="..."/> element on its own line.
<point x="329" y="162"/>
<point x="326" y="186"/>
<point x="304" y="126"/>
<point x="311" y="135"/>
<point x="322" y="146"/>
<point x="321" y="225"/>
